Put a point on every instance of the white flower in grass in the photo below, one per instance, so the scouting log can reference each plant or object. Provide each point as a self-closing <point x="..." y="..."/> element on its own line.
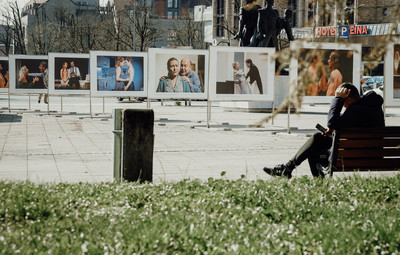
<point x="84" y="247"/>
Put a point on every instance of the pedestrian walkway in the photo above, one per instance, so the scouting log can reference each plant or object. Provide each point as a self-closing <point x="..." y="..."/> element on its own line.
<point x="69" y="146"/>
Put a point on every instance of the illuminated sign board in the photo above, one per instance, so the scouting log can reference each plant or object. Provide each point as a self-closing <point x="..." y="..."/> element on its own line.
<point x="341" y="31"/>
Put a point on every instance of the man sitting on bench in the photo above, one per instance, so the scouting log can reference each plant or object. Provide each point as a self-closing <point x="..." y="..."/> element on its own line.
<point x="365" y="111"/>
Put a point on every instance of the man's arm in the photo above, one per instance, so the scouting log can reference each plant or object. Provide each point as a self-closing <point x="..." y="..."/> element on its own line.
<point x="335" y="120"/>
<point x="196" y="84"/>
<point x="78" y="73"/>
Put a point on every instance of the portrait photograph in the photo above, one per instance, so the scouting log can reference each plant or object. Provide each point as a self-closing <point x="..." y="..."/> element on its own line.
<point x="241" y="74"/>
<point x="396" y="71"/>
<point x="4" y="75"/>
<point x="322" y="68"/>
<point x="392" y="74"/>
<point x="178" y="73"/>
<point x="30" y="74"/>
<point x="69" y="73"/>
<point x="118" y="73"/>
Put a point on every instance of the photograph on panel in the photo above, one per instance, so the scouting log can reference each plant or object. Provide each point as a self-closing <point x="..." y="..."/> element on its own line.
<point x="120" y="73"/>
<point x="323" y="70"/>
<point x="4" y="74"/>
<point x="180" y="73"/>
<point x="239" y="73"/>
<point x="396" y="71"/>
<point x="71" y="73"/>
<point x="31" y="73"/>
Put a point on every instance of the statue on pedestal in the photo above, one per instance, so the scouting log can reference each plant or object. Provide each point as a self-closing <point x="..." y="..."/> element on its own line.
<point x="248" y="22"/>
<point x="284" y="23"/>
<point x="267" y="26"/>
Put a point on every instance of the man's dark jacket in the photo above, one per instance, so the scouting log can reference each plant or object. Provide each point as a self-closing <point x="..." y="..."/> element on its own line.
<point x="366" y="112"/>
<point x="254" y="75"/>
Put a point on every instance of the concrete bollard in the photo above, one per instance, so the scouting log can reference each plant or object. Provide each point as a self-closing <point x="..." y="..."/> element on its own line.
<point x="137" y="145"/>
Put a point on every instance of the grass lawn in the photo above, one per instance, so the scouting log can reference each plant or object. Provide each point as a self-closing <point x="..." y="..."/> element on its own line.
<point x="298" y="216"/>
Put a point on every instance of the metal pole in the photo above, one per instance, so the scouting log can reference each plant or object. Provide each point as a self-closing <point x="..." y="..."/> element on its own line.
<point x="29" y="97"/>
<point x="288" y="120"/>
<point x="117" y="115"/>
<point x="273" y="110"/>
<point x="103" y="106"/>
<point x="61" y="103"/>
<point x="9" y="104"/>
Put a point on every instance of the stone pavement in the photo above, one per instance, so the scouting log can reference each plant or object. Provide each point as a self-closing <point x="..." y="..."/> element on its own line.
<point x="66" y="145"/>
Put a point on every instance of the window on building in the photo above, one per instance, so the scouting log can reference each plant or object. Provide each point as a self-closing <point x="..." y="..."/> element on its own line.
<point x="170" y="15"/>
<point x="385" y="12"/>
<point x="171" y="35"/>
<point x="170" y="3"/>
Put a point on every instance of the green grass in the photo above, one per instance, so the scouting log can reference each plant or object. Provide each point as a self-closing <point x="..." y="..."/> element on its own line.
<point x="300" y="216"/>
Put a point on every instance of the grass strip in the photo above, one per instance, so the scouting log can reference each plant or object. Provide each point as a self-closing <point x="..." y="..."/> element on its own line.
<point x="299" y="216"/>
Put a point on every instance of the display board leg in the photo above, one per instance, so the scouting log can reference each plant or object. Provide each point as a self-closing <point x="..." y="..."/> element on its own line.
<point x="208" y="113"/>
<point x="103" y="106"/>
<point x="9" y="99"/>
<point x="29" y="104"/>
<point x="148" y="102"/>
<point x="61" y="100"/>
<point x="48" y="105"/>
<point x="273" y="110"/>
<point x="90" y="106"/>
<point x="288" y="120"/>
<point x="162" y="102"/>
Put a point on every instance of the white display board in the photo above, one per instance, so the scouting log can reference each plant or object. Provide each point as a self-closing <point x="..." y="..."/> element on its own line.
<point x="69" y="74"/>
<point x="241" y="74"/>
<point x="392" y="75"/>
<point x="25" y="74"/>
<point x="4" y="75"/>
<point x="319" y="68"/>
<point x="178" y="73"/>
<point x="117" y="73"/>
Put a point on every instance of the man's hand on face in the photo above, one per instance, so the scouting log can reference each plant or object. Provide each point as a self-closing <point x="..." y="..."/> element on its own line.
<point x="342" y="92"/>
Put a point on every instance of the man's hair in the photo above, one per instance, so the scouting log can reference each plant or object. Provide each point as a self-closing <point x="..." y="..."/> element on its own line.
<point x="129" y="59"/>
<point x="353" y="90"/>
<point x="170" y="60"/>
<point x="44" y="64"/>
<point x="249" y="61"/>
<point x="335" y="59"/>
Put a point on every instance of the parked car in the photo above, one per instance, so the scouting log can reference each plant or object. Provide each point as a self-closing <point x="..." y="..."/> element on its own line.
<point x="374" y="82"/>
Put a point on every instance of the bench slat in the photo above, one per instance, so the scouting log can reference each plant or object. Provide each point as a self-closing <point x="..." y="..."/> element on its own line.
<point x="371" y="163"/>
<point x="367" y="153"/>
<point x="370" y="135"/>
<point x="370" y="143"/>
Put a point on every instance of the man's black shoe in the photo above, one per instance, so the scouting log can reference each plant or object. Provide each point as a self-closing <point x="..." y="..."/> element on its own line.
<point x="279" y="170"/>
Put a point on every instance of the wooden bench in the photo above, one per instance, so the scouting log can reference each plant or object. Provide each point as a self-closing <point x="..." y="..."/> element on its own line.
<point x="366" y="149"/>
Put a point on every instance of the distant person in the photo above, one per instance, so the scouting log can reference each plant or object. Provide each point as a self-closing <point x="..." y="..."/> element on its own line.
<point x="316" y="74"/>
<point x="335" y="78"/>
<point x="74" y="75"/>
<point x="3" y="79"/>
<point x="190" y="76"/>
<point x="173" y="82"/>
<point x="240" y="83"/>
<point x="121" y="77"/>
<point x="131" y="72"/>
<point x="363" y="111"/>
<point x="64" y="74"/>
<point x="22" y="79"/>
<point x="45" y="76"/>
<point x="248" y="22"/>
<point x="255" y="79"/>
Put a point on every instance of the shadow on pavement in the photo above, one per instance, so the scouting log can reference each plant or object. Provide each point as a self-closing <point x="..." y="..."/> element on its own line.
<point x="10" y="118"/>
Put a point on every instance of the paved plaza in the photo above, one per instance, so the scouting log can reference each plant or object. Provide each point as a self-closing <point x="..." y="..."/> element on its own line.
<point x="63" y="143"/>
